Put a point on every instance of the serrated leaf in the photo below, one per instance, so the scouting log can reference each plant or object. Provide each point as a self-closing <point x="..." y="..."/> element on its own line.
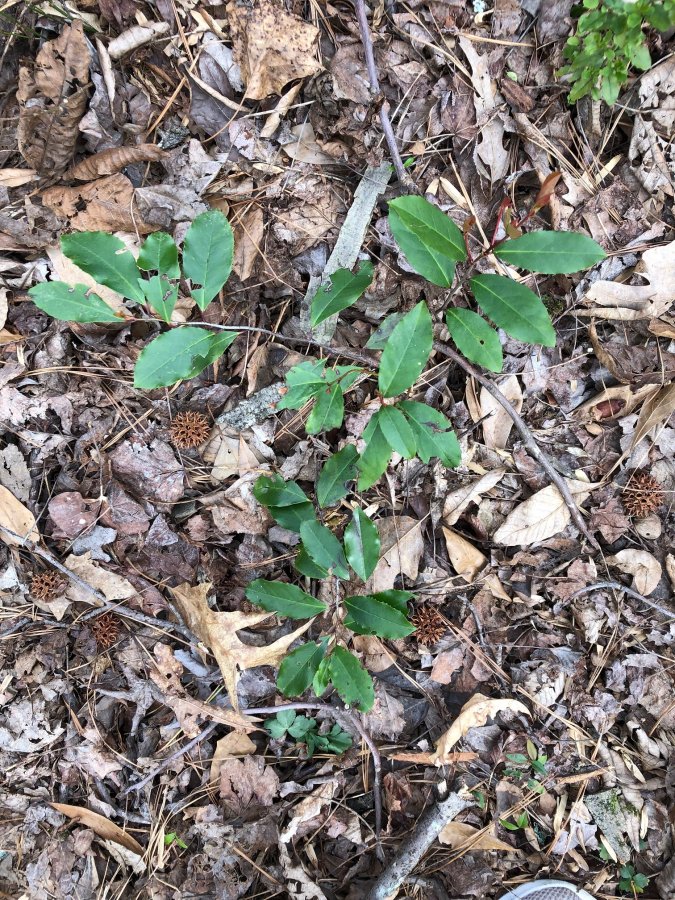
<point x="207" y="255"/>
<point x="475" y="339"/>
<point x="397" y="431"/>
<point x="430" y="240"/>
<point x="551" y="252"/>
<point x="324" y="548"/>
<point x="287" y="599"/>
<point x="306" y="565"/>
<point x="344" y="290"/>
<point x="350" y="680"/>
<point x="514" y="308"/>
<point x="107" y="259"/>
<point x="406" y="352"/>
<point x="362" y="544"/>
<point x="336" y="471"/>
<point x="71" y="304"/>
<point x="328" y="411"/>
<point x="179" y="354"/>
<point x="298" y="669"/>
<point x="161" y="294"/>
<point x="374" y="459"/>
<point x="431" y="433"/>
<point x="381" y="335"/>
<point x="159" y="253"/>
<point x="370" y="615"/>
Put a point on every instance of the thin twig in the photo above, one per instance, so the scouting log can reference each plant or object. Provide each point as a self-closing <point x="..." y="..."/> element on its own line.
<point x="174" y="756"/>
<point x="385" y="121"/>
<point x="531" y="445"/>
<point x="351" y="717"/>
<point x="413" y="849"/>
<point x="617" y="586"/>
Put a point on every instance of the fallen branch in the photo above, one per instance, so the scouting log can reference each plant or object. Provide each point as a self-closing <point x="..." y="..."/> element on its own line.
<point x="413" y="849"/>
<point x="174" y="756"/>
<point x="385" y="121"/>
<point x="531" y="445"/>
<point x="348" y="716"/>
<point x="617" y="586"/>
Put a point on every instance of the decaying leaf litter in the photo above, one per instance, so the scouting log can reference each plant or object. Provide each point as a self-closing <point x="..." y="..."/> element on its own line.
<point x="537" y="690"/>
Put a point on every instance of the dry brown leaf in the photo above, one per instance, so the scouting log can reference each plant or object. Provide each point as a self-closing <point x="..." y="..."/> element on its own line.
<point x="637" y="301"/>
<point x="613" y="402"/>
<point x="218" y="630"/>
<point x="670" y="569"/>
<point x="540" y="517"/>
<point x="103" y="827"/>
<point x="497" y="428"/>
<point x="457" y="501"/>
<point x="112" y="586"/>
<point x="135" y="37"/>
<point x="401" y="548"/>
<point x="106" y="204"/>
<point x="4" y="306"/>
<point x="271" y="46"/>
<point x="248" y="236"/>
<point x="466" y="559"/>
<point x="232" y="745"/>
<point x="655" y="412"/>
<point x="52" y="99"/>
<point x="17" y="518"/>
<point x="109" y="162"/>
<point x="10" y="178"/>
<point x="473" y="714"/>
<point x="490" y="157"/>
<point x="459" y="834"/>
<point x="645" y="569"/>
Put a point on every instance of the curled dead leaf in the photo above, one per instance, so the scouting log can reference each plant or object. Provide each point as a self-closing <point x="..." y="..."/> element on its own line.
<point x="655" y="412"/>
<point x="460" y="835"/>
<point x="218" y="630"/>
<point x="113" y="160"/>
<point x="498" y="424"/>
<point x="466" y="559"/>
<point x="401" y="548"/>
<point x="107" y="204"/>
<point x="457" y="501"/>
<point x="103" y="827"/>
<point x="645" y="569"/>
<point x="17" y="519"/>
<point x="135" y="37"/>
<point x="10" y="178"/>
<point x="473" y="714"/>
<point x="541" y="516"/>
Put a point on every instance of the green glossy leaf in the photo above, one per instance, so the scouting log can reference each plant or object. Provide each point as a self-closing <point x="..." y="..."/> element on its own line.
<point x="397" y="431"/>
<point x="362" y="544"/>
<point x="370" y="615"/>
<point x="351" y="680"/>
<point x="433" y="434"/>
<point x="287" y="599"/>
<point x="328" y="411"/>
<point x="159" y="254"/>
<point x="179" y="354"/>
<point x="514" y="308"/>
<point x="381" y="335"/>
<point x="321" y="679"/>
<point x="304" y="381"/>
<point x="273" y="490"/>
<point x="344" y="290"/>
<point x="107" y="259"/>
<point x="306" y="565"/>
<point x="430" y="240"/>
<point x="207" y="255"/>
<point x="374" y="460"/>
<point x="161" y="294"/>
<point x="551" y="252"/>
<point x="475" y="339"/>
<point x="71" y="304"/>
<point x="396" y="599"/>
<point x="292" y="517"/>
<point x="324" y="548"/>
<point x="406" y="352"/>
<point x="337" y="470"/>
<point x="298" y="669"/>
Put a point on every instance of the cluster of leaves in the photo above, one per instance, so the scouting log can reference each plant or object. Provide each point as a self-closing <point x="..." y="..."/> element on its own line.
<point x="180" y="352"/>
<point x="609" y="40"/>
<point x="322" y="555"/>
<point x="530" y="767"/>
<point x="306" y="731"/>
<point x="631" y="881"/>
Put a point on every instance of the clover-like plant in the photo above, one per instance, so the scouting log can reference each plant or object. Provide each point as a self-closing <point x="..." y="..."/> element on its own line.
<point x="150" y="284"/>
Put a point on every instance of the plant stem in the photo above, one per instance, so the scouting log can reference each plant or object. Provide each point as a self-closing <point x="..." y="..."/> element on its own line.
<point x="531" y="445"/>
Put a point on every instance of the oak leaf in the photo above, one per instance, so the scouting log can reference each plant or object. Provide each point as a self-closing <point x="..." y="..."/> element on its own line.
<point x="218" y="630"/>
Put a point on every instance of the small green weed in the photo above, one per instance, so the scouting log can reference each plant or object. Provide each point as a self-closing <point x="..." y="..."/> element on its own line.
<point x="305" y="731"/>
<point x="632" y="882"/>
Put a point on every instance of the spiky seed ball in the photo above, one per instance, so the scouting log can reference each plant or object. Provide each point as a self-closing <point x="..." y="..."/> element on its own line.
<point x="430" y="625"/>
<point x="47" y="585"/>
<point x="189" y="429"/>
<point x="106" y="630"/>
<point x="642" y="495"/>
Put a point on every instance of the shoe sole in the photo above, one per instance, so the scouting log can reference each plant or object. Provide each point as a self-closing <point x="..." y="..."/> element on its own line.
<point x="539" y="887"/>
